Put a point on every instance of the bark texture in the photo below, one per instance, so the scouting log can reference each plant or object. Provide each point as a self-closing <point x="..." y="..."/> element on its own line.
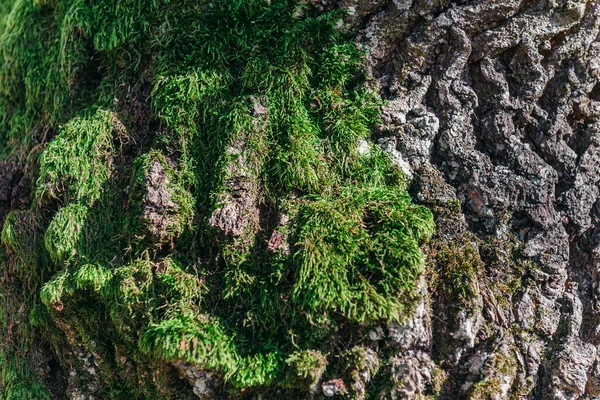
<point x="496" y="104"/>
<point x="492" y="111"/>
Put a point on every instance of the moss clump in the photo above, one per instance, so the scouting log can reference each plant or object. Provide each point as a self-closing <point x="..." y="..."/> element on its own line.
<point x="76" y="163"/>
<point x="305" y="368"/>
<point x="203" y="341"/>
<point x="64" y="232"/>
<point x="459" y="265"/>
<point x="19" y="238"/>
<point x="204" y="200"/>
<point x="358" y="254"/>
<point x="23" y="269"/>
<point x="20" y="382"/>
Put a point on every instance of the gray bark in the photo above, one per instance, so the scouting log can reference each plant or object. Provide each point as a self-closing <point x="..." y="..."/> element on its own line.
<point x="497" y="103"/>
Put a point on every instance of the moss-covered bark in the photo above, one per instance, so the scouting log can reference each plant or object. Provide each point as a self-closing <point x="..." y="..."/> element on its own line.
<point x="209" y="199"/>
<point x="208" y="214"/>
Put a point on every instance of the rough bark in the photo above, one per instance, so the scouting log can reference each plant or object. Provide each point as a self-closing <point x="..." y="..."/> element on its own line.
<point x="495" y="103"/>
<point x="492" y="111"/>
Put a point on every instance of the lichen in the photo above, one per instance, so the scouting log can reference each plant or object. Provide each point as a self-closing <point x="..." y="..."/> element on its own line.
<point x="499" y="375"/>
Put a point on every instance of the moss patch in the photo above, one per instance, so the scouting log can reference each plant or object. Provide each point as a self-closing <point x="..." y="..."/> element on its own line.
<point x="233" y="223"/>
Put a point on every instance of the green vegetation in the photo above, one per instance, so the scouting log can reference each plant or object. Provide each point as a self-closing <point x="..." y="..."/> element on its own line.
<point x="460" y="266"/>
<point x="498" y="375"/>
<point x="200" y="196"/>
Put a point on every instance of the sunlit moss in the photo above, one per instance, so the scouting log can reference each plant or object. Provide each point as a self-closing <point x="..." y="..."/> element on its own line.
<point x="253" y="102"/>
<point x="77" y="163"/>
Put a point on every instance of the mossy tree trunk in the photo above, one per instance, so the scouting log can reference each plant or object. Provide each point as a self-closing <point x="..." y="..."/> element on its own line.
<point x="299" y="199"/>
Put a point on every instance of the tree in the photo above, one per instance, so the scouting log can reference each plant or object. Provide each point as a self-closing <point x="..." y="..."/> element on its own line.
<point x="234" y="199"/>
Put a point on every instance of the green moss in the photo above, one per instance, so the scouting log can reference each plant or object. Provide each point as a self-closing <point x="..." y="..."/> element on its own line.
<point x="52" y="292"/>
<point x="92" y="277"/>
<point x="358" y="254"/>
<point x="9" y="237"/>
<point x="19" y="238"/>
<point x="459" y="265"/>
<point x="76" y="164"/>
<point x="23" y="269"/>
<point x="204" y="342"/>
<point x="19" y="382"/>
<point x="500" y="370"/>
<point x="64" y="233"/>
<point x="256" y="105"/>
<point x="305" y="368"/>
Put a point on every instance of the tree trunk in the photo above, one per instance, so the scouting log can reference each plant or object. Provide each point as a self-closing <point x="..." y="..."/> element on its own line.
<point x="236" y="199"/>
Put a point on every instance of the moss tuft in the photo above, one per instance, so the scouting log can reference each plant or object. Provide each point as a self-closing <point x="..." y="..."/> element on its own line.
<point x="306" y="367"/>
<point x="64" y="233"/>
<point x="76" y="164"/>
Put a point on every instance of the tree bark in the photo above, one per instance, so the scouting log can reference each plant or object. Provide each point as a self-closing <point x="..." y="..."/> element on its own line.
<point x="492" y="112"/>
<point x="495" y="103"/>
